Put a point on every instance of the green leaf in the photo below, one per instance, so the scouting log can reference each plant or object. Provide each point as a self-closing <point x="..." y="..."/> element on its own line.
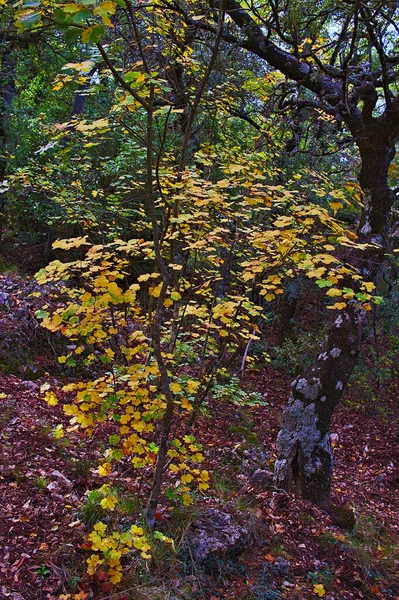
<point x="82" y="15"/>
<point x="322" y="283"/>
<point x="131" y="76"/>
<point x="41" y="314"/>
<point x="28" y="20"/>
<point x="171" y="494"/>
<point x="71" y="8"/>
<point x="114" y="439"/>
<point x="73" y="34"/>
<point x="93" y="34"/>
<point x="31" y="3"/>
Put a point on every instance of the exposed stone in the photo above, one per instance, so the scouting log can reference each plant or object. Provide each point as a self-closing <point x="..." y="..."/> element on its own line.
<point x="335" y="352"/>
<point x="255" y="458"/>
<point x="218" y="534"/>
<point x="261" y="479"/>
<point x="61" y="478"/>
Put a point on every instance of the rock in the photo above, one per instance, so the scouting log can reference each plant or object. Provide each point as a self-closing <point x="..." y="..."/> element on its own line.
<point x="254" y="458"/>
<point x="283" y="566"/>
<point x="61" y="478"/>
<point x="217" y="534"/>
<point x="261" y="479"/>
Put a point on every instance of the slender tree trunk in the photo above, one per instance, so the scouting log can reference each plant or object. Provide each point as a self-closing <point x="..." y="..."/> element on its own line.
<point x="7" y="93"/>
<point x="305" y="463"/>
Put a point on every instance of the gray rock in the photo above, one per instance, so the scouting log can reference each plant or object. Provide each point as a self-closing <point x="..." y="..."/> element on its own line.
<point x="283" y="566"/>
<point x="61" y="478"/>
<point x="254" y="458"/>
<point x="261" y="479"/>
<point x="217" y="534"/>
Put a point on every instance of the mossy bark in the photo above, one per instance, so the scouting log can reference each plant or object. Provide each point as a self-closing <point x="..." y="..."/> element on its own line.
<point x="305" y="462"/>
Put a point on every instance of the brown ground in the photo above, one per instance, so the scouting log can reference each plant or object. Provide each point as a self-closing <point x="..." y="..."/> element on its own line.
<point x="43" y="482"/>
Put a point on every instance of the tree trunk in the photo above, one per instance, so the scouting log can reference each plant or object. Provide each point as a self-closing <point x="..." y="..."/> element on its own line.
<point x="7" y="93"/>
<point x="305" y="461"/>
<point x="304" y="457"/>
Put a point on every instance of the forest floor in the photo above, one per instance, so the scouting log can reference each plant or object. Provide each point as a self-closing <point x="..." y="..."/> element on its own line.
<point x="296" y="552"/>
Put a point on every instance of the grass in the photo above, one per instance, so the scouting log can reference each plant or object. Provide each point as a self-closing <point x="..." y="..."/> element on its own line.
<point x="41" y="483"/>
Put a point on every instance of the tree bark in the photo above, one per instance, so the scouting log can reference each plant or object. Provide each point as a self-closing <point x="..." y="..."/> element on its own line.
<point x="7" y="93"/>
<point x="305" y="462"/>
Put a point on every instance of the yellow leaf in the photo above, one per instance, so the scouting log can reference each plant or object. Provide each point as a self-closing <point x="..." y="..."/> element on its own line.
<point x="192" y="385"/>
<point x="319" y="590"/>
<point x="175" y="387"/>
<point x="115" y="291"/>
<point x="155" y="291"/>
<point x="336" y="205"/>
<point x="101" y="282"/>
<point x="203" y="486"/>
<point x="369" y="285"/>
<point x="204" y="475"/>
<point x="333" y="292"/>
<point x="71" y="243"/>
<point x="109" y="502"/>
<point x="116" y="577"/>
<point x="104" y="469"/>
<point x="337" y="306"/>
<point x="223" y="183"/>
<point x="173" y="468"/>
<point x="107" y="6"/>
<point x="51" y="399"/>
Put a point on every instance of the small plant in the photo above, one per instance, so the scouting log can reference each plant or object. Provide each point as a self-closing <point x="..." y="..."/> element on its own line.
<point x="41" y="483"/>
<point x="91" y="511"/>
<point x="81" y="467"/>
<point x="320" y="576"/>
<point x="294" y="356"/>
<point x="43" y="571"/>
<point x="223" y="487"/>
<point x="230" y="390"/>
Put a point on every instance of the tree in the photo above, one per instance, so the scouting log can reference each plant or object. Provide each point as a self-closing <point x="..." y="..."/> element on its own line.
<point x="346" y="56"/>
<point x="339" y="58"/>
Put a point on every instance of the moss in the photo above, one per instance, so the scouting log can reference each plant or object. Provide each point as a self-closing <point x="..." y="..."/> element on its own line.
<point x="10" y="367"/>
<point x="341" y="516"/>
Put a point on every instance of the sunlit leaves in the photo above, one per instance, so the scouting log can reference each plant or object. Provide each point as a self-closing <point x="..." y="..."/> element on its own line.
<point x="51" y="398"/>
<point x="71" y="243"/>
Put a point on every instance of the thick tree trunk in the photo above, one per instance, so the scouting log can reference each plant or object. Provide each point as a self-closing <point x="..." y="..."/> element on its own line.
<point x="304" y="465"/>
<point x="304" y="457"/>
